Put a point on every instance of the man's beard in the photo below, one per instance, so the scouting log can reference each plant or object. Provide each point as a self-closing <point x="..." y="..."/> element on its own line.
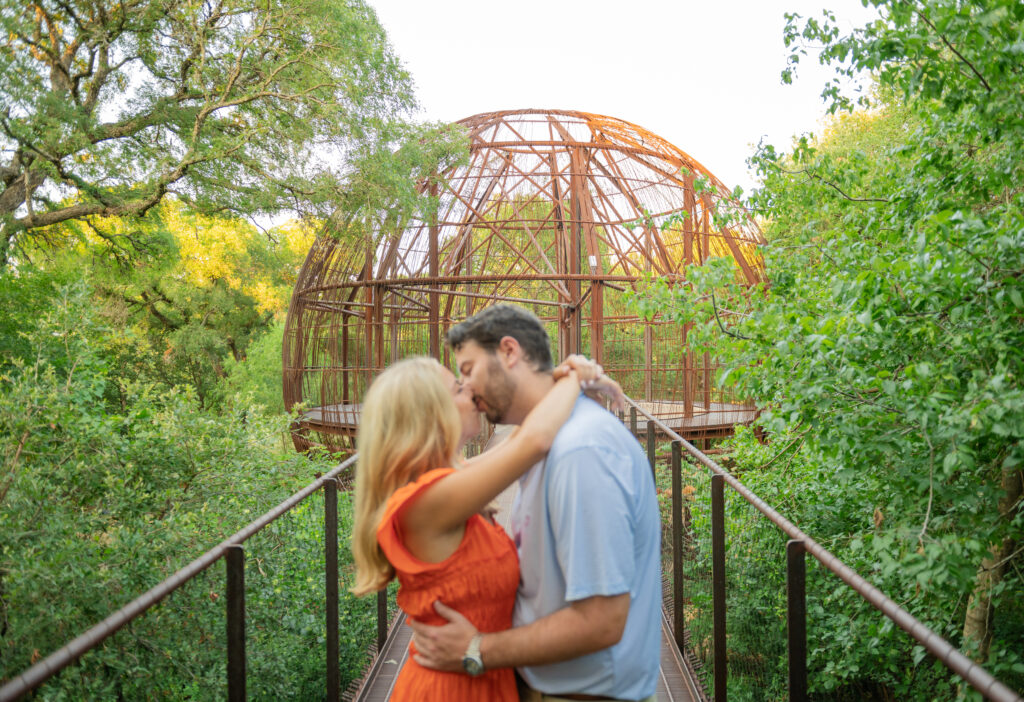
<point x="498" y="394"/>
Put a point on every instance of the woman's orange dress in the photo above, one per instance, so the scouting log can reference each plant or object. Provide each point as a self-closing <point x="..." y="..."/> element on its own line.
<point x="479" y="580"/>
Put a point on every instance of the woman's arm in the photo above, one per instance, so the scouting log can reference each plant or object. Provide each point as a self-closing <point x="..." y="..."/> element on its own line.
<point x="448" y="503"/>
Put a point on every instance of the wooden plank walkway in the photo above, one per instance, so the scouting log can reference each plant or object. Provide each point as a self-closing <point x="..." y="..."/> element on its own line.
<point x="719" y="417"/>
<point x="675" y="683"/>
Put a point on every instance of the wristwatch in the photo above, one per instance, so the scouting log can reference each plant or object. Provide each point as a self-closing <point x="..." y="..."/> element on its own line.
<point x="472" y="663"/>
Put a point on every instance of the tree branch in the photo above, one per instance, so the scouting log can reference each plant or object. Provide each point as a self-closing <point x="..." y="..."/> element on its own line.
<point x="807" y="172"/>
<point x="799" y="437"/>
<point x="952" y="48"/>
<point x="718" y="319"/>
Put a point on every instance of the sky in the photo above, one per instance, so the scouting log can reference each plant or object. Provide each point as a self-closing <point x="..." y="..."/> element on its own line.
<point x="703" y="75"/>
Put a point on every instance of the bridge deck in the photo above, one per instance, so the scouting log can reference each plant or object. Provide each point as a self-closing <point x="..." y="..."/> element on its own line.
<point x="675" y="683"/>
<point x="719" y="419"/>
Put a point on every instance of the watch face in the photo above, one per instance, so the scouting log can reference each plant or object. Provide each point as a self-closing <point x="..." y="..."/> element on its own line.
<point x="473" y="666"/>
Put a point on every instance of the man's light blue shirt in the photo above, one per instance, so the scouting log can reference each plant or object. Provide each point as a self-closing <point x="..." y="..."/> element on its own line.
<point x="586" y="523"/>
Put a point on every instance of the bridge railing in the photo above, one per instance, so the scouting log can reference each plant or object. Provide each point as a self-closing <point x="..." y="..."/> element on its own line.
<point x="699" y="581"/>
<point x="232" y="639"/>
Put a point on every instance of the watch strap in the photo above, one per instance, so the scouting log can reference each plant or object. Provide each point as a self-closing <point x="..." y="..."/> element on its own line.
<point x="472" y="662"/>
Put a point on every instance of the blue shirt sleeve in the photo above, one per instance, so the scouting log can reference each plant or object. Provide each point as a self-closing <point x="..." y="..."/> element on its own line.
<point x="590" y="508"/>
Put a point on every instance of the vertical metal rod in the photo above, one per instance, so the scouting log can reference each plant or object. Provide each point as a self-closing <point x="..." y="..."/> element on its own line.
<point x="368" y="319"/>
<point x="561" y="252"/>
<point x="382" y="619"/>
<point x="707" y="381"/>
<point x="234" y="560"/>
<point x="576" y="188"/>
<point x="433" y="313"/>
<point x="718" y="584"/>
<point x="331" y="587"/>
<point x="378" y="329"/>
<point x="648" y="346"/>
<point x="796" y="619"/>
<point x="679" y="621"/>
<point x="650" y="449"/>
<point x="632" y="420"/>
<point x="688" y="374"/>
<point x="345" y="363"/>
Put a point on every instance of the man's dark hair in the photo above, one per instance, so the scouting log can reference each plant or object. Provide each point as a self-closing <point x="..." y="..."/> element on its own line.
<point x="487" y="327"/>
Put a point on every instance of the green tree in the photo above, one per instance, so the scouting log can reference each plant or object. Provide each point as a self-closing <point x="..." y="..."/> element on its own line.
<point x="233" y="105"/>
<point x="189" y="296"/>
<point x="890" y="344"/>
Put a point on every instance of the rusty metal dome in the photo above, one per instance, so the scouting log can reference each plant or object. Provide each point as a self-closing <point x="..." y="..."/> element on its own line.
<point x="557" y="210"/>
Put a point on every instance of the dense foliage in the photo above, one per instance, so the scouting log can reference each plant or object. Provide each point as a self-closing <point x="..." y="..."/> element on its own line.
<point x="100" y="501"/>
<point x="888" y="349"/>
<point x="189" y="298"/>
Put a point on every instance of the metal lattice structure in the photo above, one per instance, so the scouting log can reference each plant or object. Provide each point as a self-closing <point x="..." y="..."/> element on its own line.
<point x="558" y="211"/>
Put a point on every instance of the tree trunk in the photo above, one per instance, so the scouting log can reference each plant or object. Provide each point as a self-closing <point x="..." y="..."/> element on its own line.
<point x="15" y="194"/>
<point x="978" y="623"/>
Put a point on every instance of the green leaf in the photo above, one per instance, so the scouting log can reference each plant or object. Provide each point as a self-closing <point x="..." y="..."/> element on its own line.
<point x="1016" y="298"/>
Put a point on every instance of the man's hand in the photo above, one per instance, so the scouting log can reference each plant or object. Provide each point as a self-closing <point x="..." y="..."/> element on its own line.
<point x="442" y="647"/>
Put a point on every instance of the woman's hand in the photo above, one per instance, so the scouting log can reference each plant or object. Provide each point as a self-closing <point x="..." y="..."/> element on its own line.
<point x="604" y="388"/>
<point x="593" y="381"/>
<point x="585" y="369"/>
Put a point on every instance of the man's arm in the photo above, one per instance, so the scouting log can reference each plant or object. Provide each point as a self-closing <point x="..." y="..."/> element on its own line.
<point x="585" y="626"/>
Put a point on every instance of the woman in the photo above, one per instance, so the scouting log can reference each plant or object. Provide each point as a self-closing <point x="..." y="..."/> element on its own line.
<point x="419" y="519"/>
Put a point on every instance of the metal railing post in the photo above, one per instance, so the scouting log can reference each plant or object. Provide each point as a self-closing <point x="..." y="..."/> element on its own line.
<point x="234" y="560"/>
<point x="650" y="450"/>
<point x="679" y="621"/>
<point x="796" y="619"/>
<point x="632" y="420"/>
<point x="718" y="585"/>
<point x="382" y="619"/>
<point x="331" y="587"/>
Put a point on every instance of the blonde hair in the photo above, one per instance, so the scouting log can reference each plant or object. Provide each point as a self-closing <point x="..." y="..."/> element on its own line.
<point x="408" y="425"/>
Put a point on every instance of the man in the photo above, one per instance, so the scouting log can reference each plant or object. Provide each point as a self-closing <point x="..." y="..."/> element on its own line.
<point x="586" y="525"/>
